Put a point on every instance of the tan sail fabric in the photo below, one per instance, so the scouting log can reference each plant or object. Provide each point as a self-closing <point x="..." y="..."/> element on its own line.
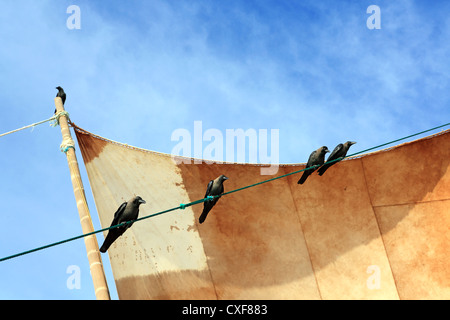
<point x="372" y="227"/>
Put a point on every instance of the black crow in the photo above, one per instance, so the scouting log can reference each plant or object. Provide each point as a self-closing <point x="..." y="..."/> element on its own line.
<point x="339" y="152"/>
<point x="317" y="157"/>
<point x="215" y="188"/>
<point x="61" y="94"/>
<point x="128" y="211"/>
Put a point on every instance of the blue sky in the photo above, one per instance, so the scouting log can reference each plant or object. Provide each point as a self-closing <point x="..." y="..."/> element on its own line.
<point x="138" y="70"/>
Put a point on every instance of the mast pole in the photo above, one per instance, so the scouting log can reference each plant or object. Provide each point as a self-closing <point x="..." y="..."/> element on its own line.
<point x="93" y="253"/>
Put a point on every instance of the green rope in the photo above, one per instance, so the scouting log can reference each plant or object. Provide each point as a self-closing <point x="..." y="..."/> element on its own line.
<point x="336" y="160"/>
<point x="101" y="230"/>
<point x="208" y="198"/>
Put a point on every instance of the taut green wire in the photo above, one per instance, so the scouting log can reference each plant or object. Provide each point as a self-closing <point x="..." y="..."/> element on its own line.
<point x="208" y="198"/>
<point x="336" y="160"/>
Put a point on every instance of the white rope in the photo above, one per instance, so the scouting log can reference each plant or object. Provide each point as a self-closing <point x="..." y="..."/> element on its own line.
<point x="66" y="144"/>
<point x="54" y="124"/>
<point x="31" y="125"/>
<point x="57" y="116"/>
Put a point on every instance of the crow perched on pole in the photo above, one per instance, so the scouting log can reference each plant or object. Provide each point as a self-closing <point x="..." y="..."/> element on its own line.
<point x="61" y="94"/>
<point x="339" y="152"/>
<point x="214" y="188"/>
<point x="317" y="157"/>
<point x="128" y="211"/>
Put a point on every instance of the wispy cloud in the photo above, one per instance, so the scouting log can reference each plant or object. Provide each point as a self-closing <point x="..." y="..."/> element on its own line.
<point x="138" y="70"/>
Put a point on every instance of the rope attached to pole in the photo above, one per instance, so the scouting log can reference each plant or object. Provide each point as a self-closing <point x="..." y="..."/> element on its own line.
<point x="54" y="124"/>
<point x="209" y="198"/>
<point x="57" y="116"/>
<point x="66" y="144"/>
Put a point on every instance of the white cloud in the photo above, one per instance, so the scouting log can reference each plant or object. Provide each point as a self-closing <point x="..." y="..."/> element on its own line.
<point x="137" y="71"/>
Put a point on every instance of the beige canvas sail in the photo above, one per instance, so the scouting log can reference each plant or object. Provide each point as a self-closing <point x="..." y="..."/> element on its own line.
<point x="376" y="226"/>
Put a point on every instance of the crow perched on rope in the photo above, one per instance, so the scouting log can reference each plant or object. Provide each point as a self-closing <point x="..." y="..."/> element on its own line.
<point x="128" y="211"/>
<point x="339" y="152"/>
<point x="214" y="188"/>
<point x="317" y="157"/>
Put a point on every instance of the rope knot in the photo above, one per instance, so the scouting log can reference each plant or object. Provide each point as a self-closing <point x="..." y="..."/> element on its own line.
<point x="57" y="116"/>
<point x="66" y="144"/>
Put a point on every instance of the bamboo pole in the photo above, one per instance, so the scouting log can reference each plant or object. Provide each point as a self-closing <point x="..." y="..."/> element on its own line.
<point x="95" y="260"/>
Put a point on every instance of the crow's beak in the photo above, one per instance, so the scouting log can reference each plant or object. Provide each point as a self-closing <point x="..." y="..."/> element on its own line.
<point x="142" y="201"/>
